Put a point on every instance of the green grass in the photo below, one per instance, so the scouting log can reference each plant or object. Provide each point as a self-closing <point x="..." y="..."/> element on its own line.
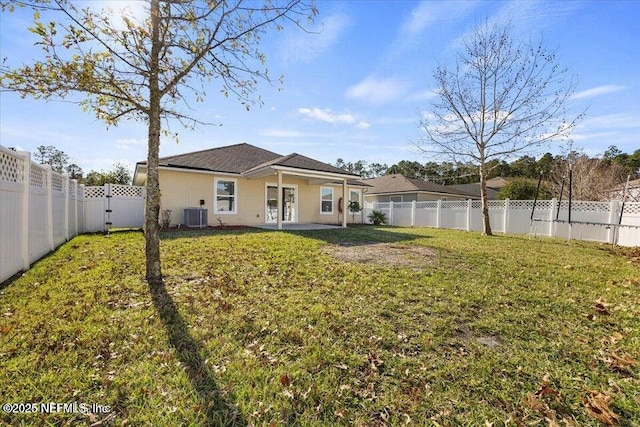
<point x="266" y="328"/>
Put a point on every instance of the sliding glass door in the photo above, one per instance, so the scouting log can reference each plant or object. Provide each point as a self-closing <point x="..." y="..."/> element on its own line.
<point x="289" y="204"/>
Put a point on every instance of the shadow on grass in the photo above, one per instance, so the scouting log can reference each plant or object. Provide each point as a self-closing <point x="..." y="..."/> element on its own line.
<point x="217" y="405"/>
<point x="204" y="232"/>
<point x="360" y="235"/>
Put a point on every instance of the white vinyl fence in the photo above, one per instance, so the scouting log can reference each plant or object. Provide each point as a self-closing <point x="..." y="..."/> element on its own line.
<point x="41" y="209"/>
<point x="590" y="220"/>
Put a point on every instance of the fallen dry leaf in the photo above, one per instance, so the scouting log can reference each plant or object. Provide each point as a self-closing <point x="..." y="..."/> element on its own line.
<point x="621" y="362"/>
<point x="285" y="380"/>
<point x="597" y="405"/>
<point x="551" y="421"/>
<point x="545" y="390"/>
<point x="343" y="413"/>
<point x="533" y="402"/>
<point x="601" y="306"/>
<point x="614" y="337"/>
<point x="375" y="362"/>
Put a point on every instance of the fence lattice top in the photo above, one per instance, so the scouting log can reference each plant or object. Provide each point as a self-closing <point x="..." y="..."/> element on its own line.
<point x="38" y="177"/>
<point x="126" y="191"/>
<point x="457" y="204"/>
<point x="57" y="182"/>
<point x="93" y="192"/>
<point x="11" y="168"/>
<point x="632" y="208"/>
<point x="581" y="206"/>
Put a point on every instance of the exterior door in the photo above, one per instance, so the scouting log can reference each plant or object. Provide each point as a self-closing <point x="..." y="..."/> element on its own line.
<point x="289" y="204"/>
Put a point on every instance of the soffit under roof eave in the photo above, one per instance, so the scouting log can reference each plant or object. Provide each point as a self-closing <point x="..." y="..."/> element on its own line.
<point x="143" y="169"/>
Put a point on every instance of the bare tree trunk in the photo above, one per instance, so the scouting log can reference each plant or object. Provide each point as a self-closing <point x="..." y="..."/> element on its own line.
<point x="152" y="227"/>
<point x="486" y="225"/>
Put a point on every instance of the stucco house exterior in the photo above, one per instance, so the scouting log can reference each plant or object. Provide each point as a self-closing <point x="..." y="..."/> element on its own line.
<point x="399" y="189"/>
<point x="246" y="185"/>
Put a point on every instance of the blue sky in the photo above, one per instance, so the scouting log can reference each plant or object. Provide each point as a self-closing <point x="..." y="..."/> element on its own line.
<point x="355" y="88"/>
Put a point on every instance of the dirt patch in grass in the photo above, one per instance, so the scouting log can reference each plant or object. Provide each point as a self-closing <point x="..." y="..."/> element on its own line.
<point x="490" y="341"/>
<point x="386" y="254"/>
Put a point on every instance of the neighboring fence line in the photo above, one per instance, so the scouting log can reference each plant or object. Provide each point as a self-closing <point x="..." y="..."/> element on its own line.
<point x="41" y="209"/>
<point x="590" y="219"/>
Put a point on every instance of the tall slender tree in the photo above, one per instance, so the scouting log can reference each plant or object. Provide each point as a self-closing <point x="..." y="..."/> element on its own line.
<point x="147" y="67"/>
<point x="502" y="97"/>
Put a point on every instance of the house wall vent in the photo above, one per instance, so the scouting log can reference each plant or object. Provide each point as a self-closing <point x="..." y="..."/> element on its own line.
<point x="195" y="217"/>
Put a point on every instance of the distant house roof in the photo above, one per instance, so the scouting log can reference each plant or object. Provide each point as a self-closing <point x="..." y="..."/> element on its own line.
<point x="249" y="160"/>
<point x="497" y="182"/>
<point x="397" y="183"/>
<point x="474" y="189"/>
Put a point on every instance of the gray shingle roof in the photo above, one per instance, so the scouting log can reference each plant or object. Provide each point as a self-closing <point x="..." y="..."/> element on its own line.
<point x="232" y="159"/>
<point x="475" y="190"/>
<point x="299" y="161"/>
<point x="398" y="183"/>
<point x="244" y="157"/>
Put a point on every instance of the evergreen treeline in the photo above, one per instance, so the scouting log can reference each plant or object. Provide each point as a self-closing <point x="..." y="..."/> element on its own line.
<point x="550" y="166"/>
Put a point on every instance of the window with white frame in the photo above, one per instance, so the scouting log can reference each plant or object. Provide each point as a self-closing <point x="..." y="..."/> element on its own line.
<point x="226" y="195"/>
<point x="326" y="200"/>
<point x="395" y="199"/>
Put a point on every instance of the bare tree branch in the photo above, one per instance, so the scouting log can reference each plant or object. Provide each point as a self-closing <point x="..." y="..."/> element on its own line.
<point x="503" y="97"/>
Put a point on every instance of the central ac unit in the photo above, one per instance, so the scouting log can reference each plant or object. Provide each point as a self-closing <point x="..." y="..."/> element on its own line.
<point x="195" y="217"/>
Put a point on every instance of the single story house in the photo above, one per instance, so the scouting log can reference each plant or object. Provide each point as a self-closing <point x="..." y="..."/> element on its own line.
<point x="497" y="183"/>
<point x="474" y="188"/>
<point x="246" y="185"/>
<point x="398" y="188"/>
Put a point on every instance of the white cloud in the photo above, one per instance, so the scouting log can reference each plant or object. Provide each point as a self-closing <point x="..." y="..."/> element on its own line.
<point x="620" y="129"/>
<point x="327" y="115"/>
<point x="615" y="121"/>
<point x="597" y="91"/>
<point x="429" y="13"/>
<point x="125" y="144"/>
<point x="424" y="95"/>
<point x="306" y="46"/>
<point x="397" y="120"/>
<point x="377" y="91"/>
<point x="523" y="16"/>
<point x="286" y="133"/>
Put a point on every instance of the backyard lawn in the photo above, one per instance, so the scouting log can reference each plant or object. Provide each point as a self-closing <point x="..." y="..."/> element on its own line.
<point x="366" y="327"/>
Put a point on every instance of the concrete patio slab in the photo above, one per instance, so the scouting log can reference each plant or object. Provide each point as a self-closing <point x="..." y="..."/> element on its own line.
<point x="298" y="227"/>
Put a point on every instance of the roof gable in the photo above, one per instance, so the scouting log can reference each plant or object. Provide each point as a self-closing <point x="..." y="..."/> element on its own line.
<point x="298" y="161"/>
